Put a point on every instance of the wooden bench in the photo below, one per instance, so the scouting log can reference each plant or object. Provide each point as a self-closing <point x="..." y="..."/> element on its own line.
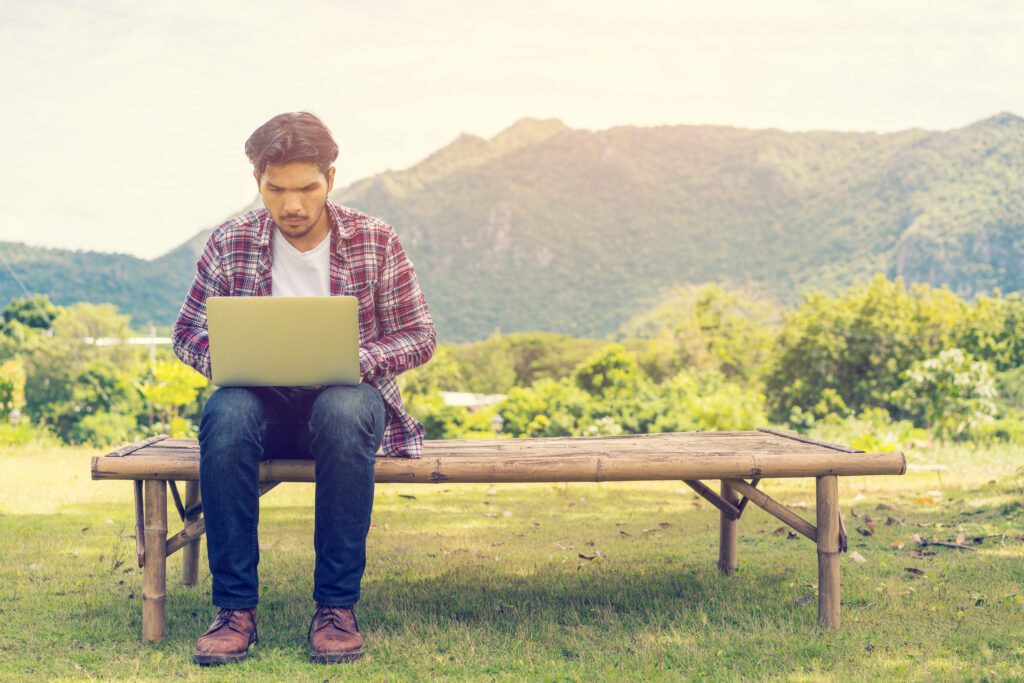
<point x="740" y="460"/>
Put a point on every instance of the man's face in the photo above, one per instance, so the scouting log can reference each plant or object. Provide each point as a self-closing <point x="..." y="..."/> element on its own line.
<point x="295" y="195"/>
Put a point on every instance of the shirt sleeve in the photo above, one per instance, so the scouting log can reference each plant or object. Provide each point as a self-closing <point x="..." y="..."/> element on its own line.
<point x="408" y="338"/>
<point x="190" y="338"/>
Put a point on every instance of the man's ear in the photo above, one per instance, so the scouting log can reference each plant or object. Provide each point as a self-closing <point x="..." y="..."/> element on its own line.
<point x="330" y="179"/>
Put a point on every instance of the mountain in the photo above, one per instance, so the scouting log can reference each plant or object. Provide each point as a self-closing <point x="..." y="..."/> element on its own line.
<point x="548" y="227"/>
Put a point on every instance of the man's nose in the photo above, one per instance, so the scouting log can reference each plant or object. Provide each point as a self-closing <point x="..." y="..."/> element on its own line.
<point x="292" y="202"/>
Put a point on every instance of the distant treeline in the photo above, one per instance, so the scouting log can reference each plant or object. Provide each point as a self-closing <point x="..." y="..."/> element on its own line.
<point x="878" y="364"/>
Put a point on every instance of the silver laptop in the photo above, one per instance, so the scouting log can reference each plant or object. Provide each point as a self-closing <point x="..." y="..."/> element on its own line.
<point x="283" y="341"/>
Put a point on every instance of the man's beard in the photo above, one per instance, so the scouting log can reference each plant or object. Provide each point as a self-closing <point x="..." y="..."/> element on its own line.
<point x="301" y="231"/>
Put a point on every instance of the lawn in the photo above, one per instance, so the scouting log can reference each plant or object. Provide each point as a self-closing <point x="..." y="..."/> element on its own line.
<point x="589" y="582"/>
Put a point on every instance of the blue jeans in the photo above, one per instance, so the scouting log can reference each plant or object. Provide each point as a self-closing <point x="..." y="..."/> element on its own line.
<point x="341" y="428"/>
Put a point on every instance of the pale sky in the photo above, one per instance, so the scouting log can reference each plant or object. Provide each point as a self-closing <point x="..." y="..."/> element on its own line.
<point x="124" y="121"/>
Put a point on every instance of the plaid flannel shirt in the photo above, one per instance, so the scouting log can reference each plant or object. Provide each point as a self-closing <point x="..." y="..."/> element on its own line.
<point x="396" y="332"/>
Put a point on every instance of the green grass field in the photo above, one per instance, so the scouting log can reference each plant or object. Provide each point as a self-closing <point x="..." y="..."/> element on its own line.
<point x="479" y="582"/>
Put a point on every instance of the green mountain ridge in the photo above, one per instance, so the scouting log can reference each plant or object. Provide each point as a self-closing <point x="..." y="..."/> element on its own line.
<point x="548" y="227"/>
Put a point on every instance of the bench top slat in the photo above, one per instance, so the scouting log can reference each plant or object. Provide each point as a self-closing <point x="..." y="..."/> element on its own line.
<point x="684" y="455"/>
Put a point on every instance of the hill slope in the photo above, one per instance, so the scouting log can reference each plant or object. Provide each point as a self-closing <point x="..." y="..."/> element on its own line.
<point x="546" y="227"/>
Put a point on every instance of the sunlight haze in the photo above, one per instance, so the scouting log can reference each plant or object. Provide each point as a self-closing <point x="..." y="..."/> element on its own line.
<point x="126" y="121"/>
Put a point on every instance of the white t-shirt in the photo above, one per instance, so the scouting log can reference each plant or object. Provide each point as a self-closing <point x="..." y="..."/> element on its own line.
<point x="300" y="273"/>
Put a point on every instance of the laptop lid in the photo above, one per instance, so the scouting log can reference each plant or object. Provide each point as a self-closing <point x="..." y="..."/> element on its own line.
<point x="283" y="341"/>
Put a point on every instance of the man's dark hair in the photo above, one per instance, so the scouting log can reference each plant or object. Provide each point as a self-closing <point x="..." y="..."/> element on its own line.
<point x="287" y="138"/>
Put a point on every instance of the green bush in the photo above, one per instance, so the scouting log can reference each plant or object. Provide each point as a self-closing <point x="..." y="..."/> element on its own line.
<point x="951" y="394"/>
<point x="103" y="429"/>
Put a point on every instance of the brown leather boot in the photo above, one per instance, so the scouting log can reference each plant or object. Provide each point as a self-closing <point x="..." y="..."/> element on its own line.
<point x="228" y="638"/>
<point x="334" y="635"/>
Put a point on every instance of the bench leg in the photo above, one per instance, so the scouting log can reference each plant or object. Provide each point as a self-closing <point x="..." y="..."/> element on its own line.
<point x="828" y="551"/>
<point x="154" y="573"/>
<point x="190" y="553"/>
<point x="727" y="535"/>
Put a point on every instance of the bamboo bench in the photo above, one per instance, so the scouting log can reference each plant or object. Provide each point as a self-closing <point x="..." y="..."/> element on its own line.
<point x="740" y="460"/>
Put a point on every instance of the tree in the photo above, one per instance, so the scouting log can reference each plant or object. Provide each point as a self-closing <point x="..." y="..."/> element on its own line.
<point x="70" y="376"/>
<point x="12" y="387"/>
<point x="704" y="328"/>
<point x="854" y="347"/>
<point x="951" y="393"/>
<point x="36" y="312"/>
<point x="168" y="388"/>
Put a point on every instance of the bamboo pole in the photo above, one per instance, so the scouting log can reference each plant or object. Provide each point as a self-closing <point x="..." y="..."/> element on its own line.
<point x="140" y="544"/>
<point x="727" y="534"/>
<point x="535" y="465"/>
<point x="190" y="555"/>
<point x="190" y="534"/>
<point x="154" y="574"/>
<point x="707" y="494"/>
<point x="827" y="491"/>
<point x="773" y="507"/>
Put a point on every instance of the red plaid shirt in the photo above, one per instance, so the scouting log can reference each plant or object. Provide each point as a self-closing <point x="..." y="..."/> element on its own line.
<point x="396" y="332"/>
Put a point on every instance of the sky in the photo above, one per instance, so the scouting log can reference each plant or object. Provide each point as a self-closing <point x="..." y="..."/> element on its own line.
<point x="125" y="121"/>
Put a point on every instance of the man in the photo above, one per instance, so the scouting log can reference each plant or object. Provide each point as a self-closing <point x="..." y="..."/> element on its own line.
<point x="302" y="244"/>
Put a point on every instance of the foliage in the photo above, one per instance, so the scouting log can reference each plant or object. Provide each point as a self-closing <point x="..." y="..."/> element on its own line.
<point x="442" y="373"/>
<point x="102" y="429"/>
<point x="12" y="387"/>
<point x="951" y="393"/>
<point x="992" y="330"/>
<point x="69" y="377"/>
<point x="37" y="312"/>
<point x="442" y="421"/>
<point x="704" y="328"/>
<point x="707" y="402"/>
<point x="851" y="349"/>
<point x="168" y="388"/>
<point x="26" y="436"/>
<point x="872" y="431"/>
<point x="500" y="362"/>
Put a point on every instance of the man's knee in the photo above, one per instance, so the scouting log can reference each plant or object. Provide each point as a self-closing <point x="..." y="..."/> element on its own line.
<point x="348" y="410"/>
<point x="231" y="413"/>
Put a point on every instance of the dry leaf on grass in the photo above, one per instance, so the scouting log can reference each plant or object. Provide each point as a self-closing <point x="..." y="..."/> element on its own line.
<point x="865" y="532"/>
<point x="913" y="570"/>
<point x="924" y="501"/>
<point x="960" y="538"/>
<point x="857" y="557"/>
<point x="897" y="544"/>
<point x="885" y="506"/>
<point x="916" y="539"/>
<point x="804" y="599"/>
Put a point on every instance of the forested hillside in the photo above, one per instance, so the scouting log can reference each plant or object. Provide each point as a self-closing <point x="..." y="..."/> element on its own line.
<point x="548" y="228"/>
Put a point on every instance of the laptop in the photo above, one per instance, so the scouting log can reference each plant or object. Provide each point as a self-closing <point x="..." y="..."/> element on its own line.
<point x="283" y="341"/>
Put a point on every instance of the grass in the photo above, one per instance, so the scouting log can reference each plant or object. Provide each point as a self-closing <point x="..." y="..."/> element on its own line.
<point x="478" y="582"/>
